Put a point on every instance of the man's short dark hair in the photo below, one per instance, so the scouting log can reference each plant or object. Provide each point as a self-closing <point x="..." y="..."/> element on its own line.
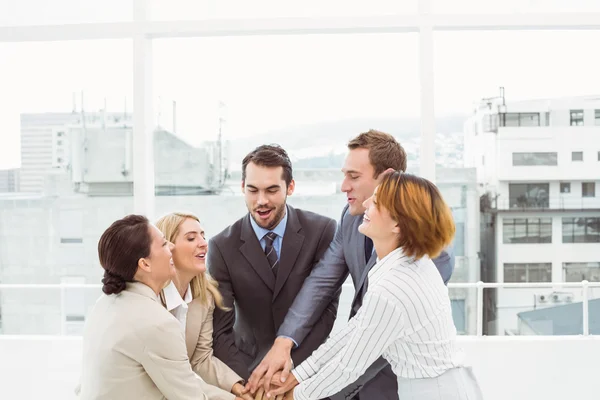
<point x="272" y="156"/>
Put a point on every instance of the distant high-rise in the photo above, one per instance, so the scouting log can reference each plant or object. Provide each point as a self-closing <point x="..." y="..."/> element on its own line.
<point x="44" y="143"/>
<point x="9" y="180"/>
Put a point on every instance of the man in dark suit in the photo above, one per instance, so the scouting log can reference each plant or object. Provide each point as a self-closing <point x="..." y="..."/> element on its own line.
<point x="261" y="261"/>
<point x="370" y="155"/>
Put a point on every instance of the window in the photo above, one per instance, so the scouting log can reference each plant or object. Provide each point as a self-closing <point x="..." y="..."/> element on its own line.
<point x="577" y="272"/>
<point x="527" y="230"/>
<point x="531" y="159"/>
<point x="581" y="230"/>
<point x="577" y="156"/>
<point x="597" y="117"/>
<point x="520" y="119"/>
<point x="529" y="272"/>
<point x="576" y="117"/>
<point x="71" y="240"/>
<point x="599" y="156"/>
<point x="459" y="315"/>
<point x="529" y="195"/>
<point x="588" y="189"/>
<point x="565" y="187"/>
<point x="547" y="118"/>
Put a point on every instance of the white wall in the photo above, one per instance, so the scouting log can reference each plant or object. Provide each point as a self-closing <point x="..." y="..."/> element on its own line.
<point x="512" y="301"/>
<point x="548" y="368"/>
<point x="562" y="140"/>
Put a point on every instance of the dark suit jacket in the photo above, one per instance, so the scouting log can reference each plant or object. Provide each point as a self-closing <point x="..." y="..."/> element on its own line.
<point x="346" y="255"/>
<point x="260" y="302"/>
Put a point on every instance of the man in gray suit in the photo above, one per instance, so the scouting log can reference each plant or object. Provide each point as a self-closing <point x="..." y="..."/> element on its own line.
<point x="261" y="262"/>
<point x="370" y="155"/>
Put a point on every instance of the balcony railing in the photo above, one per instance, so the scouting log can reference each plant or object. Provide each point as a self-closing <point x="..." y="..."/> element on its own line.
<point x="559" y="203"/>
<point x="479" y="286"/>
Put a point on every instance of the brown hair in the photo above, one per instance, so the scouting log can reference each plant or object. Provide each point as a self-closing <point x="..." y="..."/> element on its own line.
<point x="425" y="220"/>
<point x="384" y="151"/>
<point x="269" y="155"/>
<point x="201" y="284"/>
<point x="119" y="250"/>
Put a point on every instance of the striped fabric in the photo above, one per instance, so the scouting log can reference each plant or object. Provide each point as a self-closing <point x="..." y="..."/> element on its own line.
<point x="406" y="317"/>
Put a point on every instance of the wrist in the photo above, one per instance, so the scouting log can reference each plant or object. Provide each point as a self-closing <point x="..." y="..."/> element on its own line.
<point x="285" y="343"/>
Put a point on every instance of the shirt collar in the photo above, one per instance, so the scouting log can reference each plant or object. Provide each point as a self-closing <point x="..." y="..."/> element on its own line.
<point x="173" y="298"/>
<point x="279" y="230"/>
<point x="386" y="263"/>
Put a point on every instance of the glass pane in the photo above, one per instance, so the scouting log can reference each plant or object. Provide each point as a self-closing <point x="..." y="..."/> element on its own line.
<point x="464" y="309"/>
<point x="68" y="157"/>
<point x="464" y="76"/>
<point x="42" y="12"/>
<point x="202" y="9"/>
<point x="258" y="90"/>
<point x="530" y="159"/>
<point x="533" y="311"/>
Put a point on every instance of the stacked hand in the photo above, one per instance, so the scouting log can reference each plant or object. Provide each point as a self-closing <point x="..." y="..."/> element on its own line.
<point x="271" y="379"/>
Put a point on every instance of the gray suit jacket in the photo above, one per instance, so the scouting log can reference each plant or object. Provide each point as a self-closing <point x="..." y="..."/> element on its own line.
<point x="260" y="301"/>
<point x="346" y="255"/>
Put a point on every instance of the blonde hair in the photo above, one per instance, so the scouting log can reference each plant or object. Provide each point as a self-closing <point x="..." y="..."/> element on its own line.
<point x="201" y="284"/>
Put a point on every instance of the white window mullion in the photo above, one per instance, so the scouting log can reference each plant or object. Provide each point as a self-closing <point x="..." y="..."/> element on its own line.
<point x="427" y="152"/>
<point x="143" y="120"/>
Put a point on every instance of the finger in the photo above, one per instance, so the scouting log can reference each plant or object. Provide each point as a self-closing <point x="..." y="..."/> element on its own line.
<point x="268" y="377"/>
<point x="286" y="371"/>
<point x="277" y="391"/>
<point x="256" y="376"/>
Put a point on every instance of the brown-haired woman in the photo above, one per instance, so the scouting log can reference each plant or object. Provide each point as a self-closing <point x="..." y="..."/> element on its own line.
<point x="132" y="347"/>
<point x="191" y="297"/>
<point x="406" y="315"/>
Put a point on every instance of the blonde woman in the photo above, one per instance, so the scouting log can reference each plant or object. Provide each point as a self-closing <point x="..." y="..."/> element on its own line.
<point x="191" y="297"/>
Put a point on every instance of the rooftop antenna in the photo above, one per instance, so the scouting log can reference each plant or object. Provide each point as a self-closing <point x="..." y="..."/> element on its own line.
<point x="174" y="117"/>
<point x="104" y="116"/>
<point x="74" y="103"/>
<point x="82" y="111"/>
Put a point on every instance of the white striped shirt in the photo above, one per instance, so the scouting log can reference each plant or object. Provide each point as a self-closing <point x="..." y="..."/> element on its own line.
<point x="406" y="317"/>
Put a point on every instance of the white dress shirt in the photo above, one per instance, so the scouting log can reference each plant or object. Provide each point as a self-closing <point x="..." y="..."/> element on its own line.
<point x="175" y="304"/>
<point x="406" y="317"/>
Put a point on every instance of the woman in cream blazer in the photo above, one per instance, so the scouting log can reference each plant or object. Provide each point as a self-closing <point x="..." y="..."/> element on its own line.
<point x="132" y="347"/>
<point x="191" y="297"/>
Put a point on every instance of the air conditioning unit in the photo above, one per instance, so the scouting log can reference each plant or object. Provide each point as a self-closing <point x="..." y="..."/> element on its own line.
<point x="542" y="298"/>
<point x="562" y="297"/>
<point x="554" y="298"/>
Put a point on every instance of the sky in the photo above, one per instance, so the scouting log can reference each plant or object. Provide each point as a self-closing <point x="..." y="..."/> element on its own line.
<point x="274" y="82"/>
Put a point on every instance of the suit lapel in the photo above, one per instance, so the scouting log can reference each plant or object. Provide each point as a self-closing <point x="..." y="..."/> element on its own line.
<point x="254" y="254"/>
<point x="360" y="247"/>
<point x="193" y="325"/>
<point x="290" y="249"/>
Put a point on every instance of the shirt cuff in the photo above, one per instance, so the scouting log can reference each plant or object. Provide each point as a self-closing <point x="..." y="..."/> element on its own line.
<point x="304" y="371"/>
<point x="293" y="341"/>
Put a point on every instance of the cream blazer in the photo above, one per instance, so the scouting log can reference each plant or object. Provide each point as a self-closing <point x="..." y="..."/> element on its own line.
<point x="133" y="348"/>
<point x="199" y="343"/>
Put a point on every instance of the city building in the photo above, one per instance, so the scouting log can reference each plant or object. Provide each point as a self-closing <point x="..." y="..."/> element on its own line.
<point x="9" y="180"/>
<point x="538" y="174"/>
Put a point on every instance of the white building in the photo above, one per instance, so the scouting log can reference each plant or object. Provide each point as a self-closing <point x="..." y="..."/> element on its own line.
<point x="45" y="146"/>
<point x="538" y="167"/>
<point x="9" y="180"/>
